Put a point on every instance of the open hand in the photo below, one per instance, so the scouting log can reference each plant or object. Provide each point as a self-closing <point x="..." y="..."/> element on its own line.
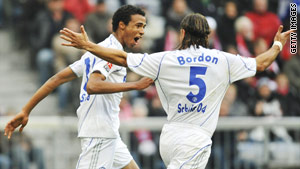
<point x="77" y="40"/>
<point x="20" y="119"/>
<point x="282" y="37"/>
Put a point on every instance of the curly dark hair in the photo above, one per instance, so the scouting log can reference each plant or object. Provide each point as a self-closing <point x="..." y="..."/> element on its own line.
<point x="124" y="14"/>
<point x="196" y="31"/>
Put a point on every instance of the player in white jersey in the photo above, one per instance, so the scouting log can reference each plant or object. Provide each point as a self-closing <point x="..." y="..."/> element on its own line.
<point x="98" y="123"/>
<point x="191" y="83"/>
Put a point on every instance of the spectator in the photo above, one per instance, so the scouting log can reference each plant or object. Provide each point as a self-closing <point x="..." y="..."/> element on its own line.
<point x="232" y="105"/>
<point x="125" y="108"/>
<point x="266" y="103"/>
<point x="154" y="32"/>
<point x="213" y="39"/>
<point x="4" y="155"/>
<point x="78" y="8"/>
<point x="1" y="13"/>
<point x="205" y="7"/>
<point x="231" y="49"/>
<point x="269" y="106"/>
<point x="175" y="14"/>
<point x="259" y="47"/>
<point x="24" y="154"/>
<point x="46" y="25"/>
<point x="23" y="14"/>
<point x="226" y="31"/>
<point x="146" y="145"/>
<point x="224" y="147"/>
<point x="244" y="36"/>
<point x="287" y="98"/>
<point x="292" y="70"/>
<point x="98" y="24"/>
<point x="155" y="107"/>
<point x="265" y="23"/>
<point x="62" y="58"/>
<point x="155" y="6"/>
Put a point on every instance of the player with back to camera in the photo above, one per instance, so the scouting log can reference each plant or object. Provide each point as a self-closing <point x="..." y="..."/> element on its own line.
<point x="191" y="83"/>
<point x="98" y="123"/>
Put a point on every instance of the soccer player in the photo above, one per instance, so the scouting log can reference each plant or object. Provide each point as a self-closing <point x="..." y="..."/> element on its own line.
<point x="191" y="83"/>
<point x="98" y="123"/>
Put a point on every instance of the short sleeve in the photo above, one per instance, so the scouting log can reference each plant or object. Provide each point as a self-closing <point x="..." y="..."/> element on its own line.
<point x="240" y="67"/>
<point x="103" y="67"/>
<point x="77" y="67"/>
<point x="145" y="64"/>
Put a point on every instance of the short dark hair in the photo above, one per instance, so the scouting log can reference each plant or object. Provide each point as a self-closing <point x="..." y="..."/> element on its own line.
<point x="196" y="31"/>
<point x="124" y="14"/>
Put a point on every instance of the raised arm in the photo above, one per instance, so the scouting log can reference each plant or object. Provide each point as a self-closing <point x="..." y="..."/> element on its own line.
<point x="81" y="41"/>
<point x="21" y="118"/>
<point x="265" y="59"/>
<point x="97" y="85"/>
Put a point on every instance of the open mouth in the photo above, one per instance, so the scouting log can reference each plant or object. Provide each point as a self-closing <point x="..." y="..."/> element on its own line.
<point x="136" y="39"/>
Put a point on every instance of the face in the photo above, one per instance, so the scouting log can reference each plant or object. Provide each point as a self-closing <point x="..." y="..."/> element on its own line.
<point x="56" y="5"/>
<point x="260" y="6"/>
<point x="264" y="91"/>
<point x="179" y="6"/>
<point x="134" y="31"/>
<point x="230" y="10"/>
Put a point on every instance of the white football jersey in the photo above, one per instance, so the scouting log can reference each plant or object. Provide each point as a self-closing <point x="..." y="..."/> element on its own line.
<point x="191" y="83"/>
<point x="99" y="114"/>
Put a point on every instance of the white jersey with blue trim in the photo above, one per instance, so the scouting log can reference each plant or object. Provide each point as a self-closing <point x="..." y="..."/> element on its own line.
<point x="191" y="83"/>
<point x="99" y="114"/>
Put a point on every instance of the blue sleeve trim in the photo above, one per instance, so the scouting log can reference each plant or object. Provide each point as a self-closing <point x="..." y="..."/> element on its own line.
<point x="246" y="65"/>
<point x="159" y="67"/>
<point x="139" y="63"/>
<point x="110" y="41"/>
<point x="163" y="93"/>
<point x="229" y="80"/>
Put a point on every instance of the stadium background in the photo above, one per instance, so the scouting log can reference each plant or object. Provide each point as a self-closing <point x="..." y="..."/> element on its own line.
<point x="260" y="123"/>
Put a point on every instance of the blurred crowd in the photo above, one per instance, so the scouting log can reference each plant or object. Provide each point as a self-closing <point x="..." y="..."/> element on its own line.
<point x="244" y="27"/>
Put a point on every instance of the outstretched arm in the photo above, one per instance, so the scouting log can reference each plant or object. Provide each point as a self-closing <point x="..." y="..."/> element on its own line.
<point x="265" y="59"/>
<point x="81" y="41"/>
<point x="97" y="85"/>
<point x="21" y="118"/>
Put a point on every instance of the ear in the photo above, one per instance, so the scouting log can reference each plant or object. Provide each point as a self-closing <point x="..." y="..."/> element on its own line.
<point x="122" y="25"/>
<point x="182" y="34"/>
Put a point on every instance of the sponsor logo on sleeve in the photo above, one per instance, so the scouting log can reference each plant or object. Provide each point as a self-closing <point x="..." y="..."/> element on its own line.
<point x="108" y="66"/>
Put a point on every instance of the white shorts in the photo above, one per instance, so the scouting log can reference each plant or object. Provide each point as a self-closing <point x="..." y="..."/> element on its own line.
<point x="184" y="146"/>
<point x="103" y="153"/>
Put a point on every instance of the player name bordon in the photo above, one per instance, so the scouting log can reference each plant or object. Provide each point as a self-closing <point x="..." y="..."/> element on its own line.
<point x="183" y="60"/>
<point x="185" y="108"/>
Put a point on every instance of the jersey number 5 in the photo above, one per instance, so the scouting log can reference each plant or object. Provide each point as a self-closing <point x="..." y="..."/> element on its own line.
<point x="195" y="80"/>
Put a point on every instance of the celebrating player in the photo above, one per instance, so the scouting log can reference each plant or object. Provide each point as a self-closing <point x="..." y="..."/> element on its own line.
<point x="191" y="83"/>
<point x="98" y="124"/>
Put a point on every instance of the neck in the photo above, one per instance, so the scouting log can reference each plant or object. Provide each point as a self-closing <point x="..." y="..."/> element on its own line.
<point x="118" y="36"/>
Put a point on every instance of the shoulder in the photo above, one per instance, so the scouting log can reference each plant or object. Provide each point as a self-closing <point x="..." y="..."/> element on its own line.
<point x="106" y="42"/>
<point x="250" y="14"/>
<point x="91" y="17"/>
<point x="273" y="16"/>
<point x="43" y="15"/>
